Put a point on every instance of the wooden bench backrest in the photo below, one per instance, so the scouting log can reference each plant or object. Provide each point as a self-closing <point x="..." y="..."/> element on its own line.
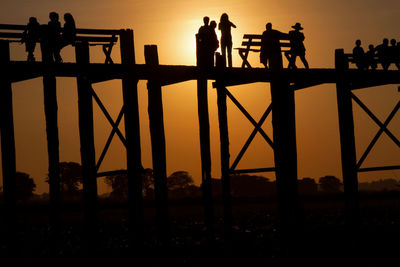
<point x="83" y="35"/>
<point x="254" y="40"/>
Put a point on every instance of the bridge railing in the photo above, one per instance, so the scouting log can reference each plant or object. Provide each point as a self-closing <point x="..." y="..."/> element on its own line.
<point x="106" y="38"/>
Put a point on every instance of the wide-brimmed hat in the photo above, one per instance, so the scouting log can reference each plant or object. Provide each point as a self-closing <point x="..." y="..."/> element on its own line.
<point x="297" y="26"/>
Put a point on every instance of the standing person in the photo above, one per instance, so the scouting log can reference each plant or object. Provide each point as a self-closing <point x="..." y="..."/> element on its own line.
<point x="382" y="52"/>
<point x="30" y="36"/>
<point x="213" y="44"/>
<point x="68" y="33"/>
<point x="54" y="37"/>
<point x="393" y="53"/>
<point x="270" y="54"/>
<point x="370" y="58"/>
<point x="359" y="55"/>
<point x="297" y="47"/>
<point x="202" y="41"/>
<point x="226" y="38"/>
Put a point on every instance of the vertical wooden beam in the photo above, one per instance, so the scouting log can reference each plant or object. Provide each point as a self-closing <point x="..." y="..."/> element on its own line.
<point x="8" y="150"/>
<point x="157" y="135"/>
<point x="86" y="133"/>
<point x="132" y="135"/>
<point x="224" y="140"/>
<point x="206" y="182"/>
<point x="51" y="110"/>
<point x="285" y="156"/>
<point x="348" y="146"/>
<point x="204" y="128"/>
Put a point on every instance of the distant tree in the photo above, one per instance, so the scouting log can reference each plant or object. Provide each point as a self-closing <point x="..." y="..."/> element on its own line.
<point x="25" y="186"/>
<point x="243" y="185"/>
<point x="70" y="178"/>
<point x="330" y="184"/>
<point x="179" y="180"/>
<point x="119" y="184"/>
<point x="307" y="186"/>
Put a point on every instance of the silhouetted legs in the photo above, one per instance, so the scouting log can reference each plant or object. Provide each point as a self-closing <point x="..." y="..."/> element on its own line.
<point x="291" y="57"/>
<point x="227" y="48"/>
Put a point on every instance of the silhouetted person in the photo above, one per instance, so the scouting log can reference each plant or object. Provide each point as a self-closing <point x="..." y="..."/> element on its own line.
<point x="226" y="38"/>
<point x="270" y="54"/>
<point x="68" y="33"/>
<point x="54" y="37"/>
<point x="213" y="42"/>
<point x="394" y="53"/>
<point x="359" y="55"/>
<point x="203" y="40"/>
<point x="297" y="48"/>
<point x="30" y="37"/>
<point x="383" y="54"/>
<point x="370" y="58"/>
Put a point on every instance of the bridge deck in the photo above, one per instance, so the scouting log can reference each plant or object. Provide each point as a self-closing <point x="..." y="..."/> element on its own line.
<point x="167" y="74"/>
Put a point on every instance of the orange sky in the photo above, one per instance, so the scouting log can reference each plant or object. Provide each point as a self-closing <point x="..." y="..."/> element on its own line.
<point x="171" y="25"/>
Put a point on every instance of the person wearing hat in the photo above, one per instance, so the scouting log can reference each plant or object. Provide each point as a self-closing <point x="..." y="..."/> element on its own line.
<point x="296" y="47"/>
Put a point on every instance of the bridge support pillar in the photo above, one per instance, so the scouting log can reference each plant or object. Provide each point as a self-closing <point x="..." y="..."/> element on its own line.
<point x="348" y="148"/>
<point x="8" y="155"/>
<point x="285" y="156"/>
<point x="133" y="148"/>
<point x="86" y="133"/>
<point x="51" y="110"/>
<point x="204" y="129"/>
<point x="157" y="136"/>
<point x="224" y="141"/>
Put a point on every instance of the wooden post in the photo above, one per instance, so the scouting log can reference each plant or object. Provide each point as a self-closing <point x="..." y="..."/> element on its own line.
<point x="348" y="147"/>
<point x="8" y="151"/>
<point x="204" y="128"/>
<point x="157" y="134"/>
<point x="50" y="110"/>
<point x="132" y="135"/>
<point x="285" y="156"/>
<point x="86" y="132"/>
<point x="224" y="140"/>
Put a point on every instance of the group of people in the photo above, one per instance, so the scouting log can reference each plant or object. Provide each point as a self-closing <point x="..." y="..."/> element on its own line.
<point x="270" y="55"/>
<point x="52" y="38"/>
<point x="383" y="54"/>
<point x="208" y="41"/>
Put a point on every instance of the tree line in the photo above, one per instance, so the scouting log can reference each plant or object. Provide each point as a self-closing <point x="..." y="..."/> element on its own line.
<point x="180" y="185"/>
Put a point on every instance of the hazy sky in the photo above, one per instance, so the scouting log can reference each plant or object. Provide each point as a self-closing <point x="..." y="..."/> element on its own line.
<point x="172" y="25"/>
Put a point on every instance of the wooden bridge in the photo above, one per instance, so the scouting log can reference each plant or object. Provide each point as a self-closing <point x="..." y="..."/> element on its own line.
<point x="283" y="83"/>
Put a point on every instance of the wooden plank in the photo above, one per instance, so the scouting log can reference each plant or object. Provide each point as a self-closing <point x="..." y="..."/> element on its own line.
<point x="381" y="168"/>
<point x="157" y="136"/>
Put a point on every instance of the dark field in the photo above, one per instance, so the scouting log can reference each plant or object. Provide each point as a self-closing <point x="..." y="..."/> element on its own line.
<point x="255" y="240"/>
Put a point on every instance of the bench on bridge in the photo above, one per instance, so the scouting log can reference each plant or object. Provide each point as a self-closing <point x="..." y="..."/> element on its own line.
<point x="94" y="37"/>
<point x="252" y="43"/>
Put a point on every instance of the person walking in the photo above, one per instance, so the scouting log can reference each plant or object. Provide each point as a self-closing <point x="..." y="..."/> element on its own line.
<point x="226" y="37"/>
<point x="297" y="48"/>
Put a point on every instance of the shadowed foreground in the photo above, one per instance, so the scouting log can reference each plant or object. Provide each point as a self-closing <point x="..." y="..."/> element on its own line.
<point x="255" y="235"/>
